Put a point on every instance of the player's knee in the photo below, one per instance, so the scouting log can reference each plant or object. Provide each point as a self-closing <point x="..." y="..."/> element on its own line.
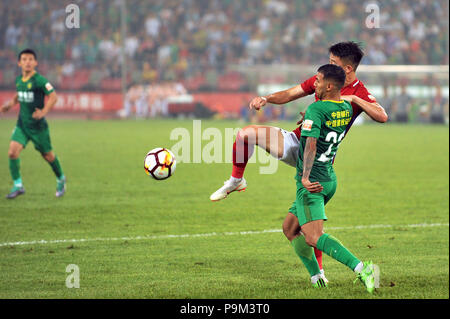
<point x="280" y="153"/>
<point x="13" y="153"/>
<point x="49" y="157"/>
<point x="290" y="230"/>
<point x="287" y="232"/>
<point x="247" y="133"/>
<point x="311" y="239"/>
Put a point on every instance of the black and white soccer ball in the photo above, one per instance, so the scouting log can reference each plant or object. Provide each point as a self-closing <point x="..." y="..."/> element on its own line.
<point x="160" y="163"/>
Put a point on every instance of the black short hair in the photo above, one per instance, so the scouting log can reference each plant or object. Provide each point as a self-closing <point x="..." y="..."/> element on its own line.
<point x="27" y="51"/>
<point x="334" y="73"/>
<point x="350" y="51"/>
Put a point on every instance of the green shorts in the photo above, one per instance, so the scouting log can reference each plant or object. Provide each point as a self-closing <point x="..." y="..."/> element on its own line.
<point x="40" y="138"/>
<point x="311" y="206"/>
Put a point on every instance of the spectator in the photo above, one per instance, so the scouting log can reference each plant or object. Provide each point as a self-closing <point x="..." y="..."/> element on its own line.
<point x="205" y="34"/>
<point x="152" y="25"/>
<point x="386" y="101"/>
<point x="148" y="75"/>
<point x="402" y="105"/>
<point x="438" y="107"/>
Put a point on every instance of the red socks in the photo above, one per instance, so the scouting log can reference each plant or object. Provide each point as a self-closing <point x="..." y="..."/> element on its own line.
<point x="318" y="254"/>
<point x="242" y="151"/>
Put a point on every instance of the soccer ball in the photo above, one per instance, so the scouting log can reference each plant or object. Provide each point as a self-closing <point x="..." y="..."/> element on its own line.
<point x="160" y="163"/>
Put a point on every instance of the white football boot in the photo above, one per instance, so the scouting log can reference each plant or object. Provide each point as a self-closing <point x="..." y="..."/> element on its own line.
<point x="322" y="275"/>
<point x="228" y="187"/>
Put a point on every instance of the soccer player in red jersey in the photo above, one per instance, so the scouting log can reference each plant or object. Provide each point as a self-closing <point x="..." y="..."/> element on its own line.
<point x="284" y="145"/>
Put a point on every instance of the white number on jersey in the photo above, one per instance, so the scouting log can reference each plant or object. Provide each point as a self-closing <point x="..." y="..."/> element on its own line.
<point x="328" y="155"/>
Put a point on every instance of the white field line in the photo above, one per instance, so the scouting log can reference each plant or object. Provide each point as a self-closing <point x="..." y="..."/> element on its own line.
<point x="82" y="240"/>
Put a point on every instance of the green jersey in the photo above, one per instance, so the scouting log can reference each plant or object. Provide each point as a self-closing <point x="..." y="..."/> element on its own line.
<point x="327" y="121"/>
<point x="31" y="94"/>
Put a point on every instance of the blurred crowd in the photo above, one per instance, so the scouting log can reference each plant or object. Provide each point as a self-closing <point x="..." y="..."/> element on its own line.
<point x="402" y="107"/>
<point x="185" y="40"/>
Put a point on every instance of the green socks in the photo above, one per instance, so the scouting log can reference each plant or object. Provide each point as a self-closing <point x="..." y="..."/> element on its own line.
<point x="306" y="254"/>
<point x="14" y="169"/>
<point x="56" y="167"/>
<point x="333" y="248"/>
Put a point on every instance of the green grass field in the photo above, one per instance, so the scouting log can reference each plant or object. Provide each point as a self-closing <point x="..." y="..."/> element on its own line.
<point x="391" y="206"/>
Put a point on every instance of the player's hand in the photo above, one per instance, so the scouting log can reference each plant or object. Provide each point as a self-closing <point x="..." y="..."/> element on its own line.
<point x="348" y="98"/>
<point x="314" y="187"/>
<point x="38" y="114"/>
<point x="4" y="108"/>
<point x="257" y="103"/>
<point x="302" y="115"/>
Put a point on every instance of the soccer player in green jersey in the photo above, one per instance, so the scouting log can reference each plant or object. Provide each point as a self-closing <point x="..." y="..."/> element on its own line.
<point x="31" y="125"/>
<point x="323" y="129"/>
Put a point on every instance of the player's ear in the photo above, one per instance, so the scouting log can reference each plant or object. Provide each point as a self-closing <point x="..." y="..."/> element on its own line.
<point x="348" y="68"/>
<point x="330" y="86"/>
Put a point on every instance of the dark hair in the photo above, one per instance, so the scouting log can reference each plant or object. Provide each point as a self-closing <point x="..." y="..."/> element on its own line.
<point x="334" y="73"/>
<point x="350" y="51"/>
<point x="27" y="51"/>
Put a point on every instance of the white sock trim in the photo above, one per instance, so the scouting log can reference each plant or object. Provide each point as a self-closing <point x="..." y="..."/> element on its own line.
<point x="315" y="278"/>
<point x="359" y="267"/>
<point x="235" y="180"/>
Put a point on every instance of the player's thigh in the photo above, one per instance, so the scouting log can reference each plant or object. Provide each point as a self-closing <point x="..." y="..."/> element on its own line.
<point x="41" y="141"/>
<point x="19" y="140"/>
<point x="291" y="227"/>
<point x="14" y="149"/>
<point x="329" y="189"/>
<point x="269" y="138"/>
<point x="309" y="206"/>
<point x="290" y="148"/>
<point x="312" y="231"/>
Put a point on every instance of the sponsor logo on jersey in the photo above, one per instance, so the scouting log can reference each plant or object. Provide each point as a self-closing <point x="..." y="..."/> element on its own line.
<point x="307" y="125"/>
<point x="29" y="86"/>
<point x="48" y="86"/>
<point x="25" y="96"/>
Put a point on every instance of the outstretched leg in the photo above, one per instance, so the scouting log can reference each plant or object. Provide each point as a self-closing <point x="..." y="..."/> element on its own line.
<point x="267" y="137"/>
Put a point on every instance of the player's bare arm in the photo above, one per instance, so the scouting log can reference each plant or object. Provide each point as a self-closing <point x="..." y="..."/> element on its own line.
<point x="308" y="162"/>
<point x="375" y="111"/>
<point x="9" y="104"/>
<point x="280" y="97"/>
<point x="40" y="113"/>
<point x="302" y="117"/>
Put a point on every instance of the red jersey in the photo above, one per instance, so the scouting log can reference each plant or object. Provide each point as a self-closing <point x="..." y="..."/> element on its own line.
<point x="355" y="88"/>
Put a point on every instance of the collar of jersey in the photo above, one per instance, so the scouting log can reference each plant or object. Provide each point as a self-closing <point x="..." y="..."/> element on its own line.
<point x="354" y="83"/>
<point x="28" y="78"/>
<point x="341" y="101"/>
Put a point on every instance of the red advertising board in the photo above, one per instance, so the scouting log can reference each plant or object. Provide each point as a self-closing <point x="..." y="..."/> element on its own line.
<point x="90" y="102"/>
<point x="224" y="102"/>
<point x="80" y="102"/>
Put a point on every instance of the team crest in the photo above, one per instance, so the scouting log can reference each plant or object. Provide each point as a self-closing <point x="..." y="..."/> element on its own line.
<point x="29" y="86"/>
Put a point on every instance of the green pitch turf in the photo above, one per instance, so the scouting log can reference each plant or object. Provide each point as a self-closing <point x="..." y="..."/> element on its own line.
<point x="139" y="238"/>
